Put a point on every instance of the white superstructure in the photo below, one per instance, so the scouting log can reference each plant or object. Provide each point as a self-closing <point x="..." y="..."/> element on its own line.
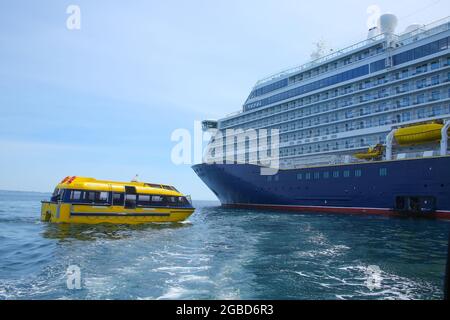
<point x="328" y="109"/>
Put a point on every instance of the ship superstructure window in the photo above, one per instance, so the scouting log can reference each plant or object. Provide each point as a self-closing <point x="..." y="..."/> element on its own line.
<point x="300" y="176"/>
<point x="434" y="65"/>
<point x="421" y="51"/>
<point x="358" y="173"/>
<point x="435" y="80"/>
<point x="401" y="58"/>
<point x="312" y="126"/>
<point x="383" y="172"/>
<point x="435" y="95"/>
<point x="346" y="174"/>
<point x="308" y="176"/>
<point x="336" y="174"/>
<point x="326" y="175"/>
<point x="344" y="76"/>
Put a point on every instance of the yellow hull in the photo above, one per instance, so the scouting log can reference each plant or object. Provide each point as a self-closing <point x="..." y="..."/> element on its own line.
<point x="87" y="214"/>
<point x="367" y="156"/>
<point x="419" y="134"/>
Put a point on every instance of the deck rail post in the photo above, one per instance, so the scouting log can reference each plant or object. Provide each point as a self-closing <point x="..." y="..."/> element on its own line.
<point x="444" y="138"/>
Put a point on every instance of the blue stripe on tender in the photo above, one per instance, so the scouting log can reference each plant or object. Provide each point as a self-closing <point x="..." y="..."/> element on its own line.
<point x="121" y="215"/>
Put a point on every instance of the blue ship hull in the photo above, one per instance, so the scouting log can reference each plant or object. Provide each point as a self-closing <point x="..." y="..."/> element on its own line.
<point x="417" y="186"/>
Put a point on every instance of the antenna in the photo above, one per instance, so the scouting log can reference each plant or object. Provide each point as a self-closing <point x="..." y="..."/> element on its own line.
<point x="135" y="179"/>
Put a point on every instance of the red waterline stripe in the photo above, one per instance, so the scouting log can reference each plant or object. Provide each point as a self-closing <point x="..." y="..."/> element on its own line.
<point x="440" y="214"/>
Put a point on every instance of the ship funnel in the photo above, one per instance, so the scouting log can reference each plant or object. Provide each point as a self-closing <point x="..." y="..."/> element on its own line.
<point x="388" y="23"/>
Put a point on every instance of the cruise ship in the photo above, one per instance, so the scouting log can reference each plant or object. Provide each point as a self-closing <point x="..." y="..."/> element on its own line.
<point x="360" y="130"/>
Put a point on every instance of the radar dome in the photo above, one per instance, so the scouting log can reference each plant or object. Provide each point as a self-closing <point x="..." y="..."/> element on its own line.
<point x="413" y="27"/>
<point x="388" y="23"/>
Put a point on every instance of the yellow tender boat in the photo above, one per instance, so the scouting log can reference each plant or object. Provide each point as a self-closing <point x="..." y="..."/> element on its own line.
<point x="372" y="154"/>
<point x="91" y="201"/>
<point x="419" y="134"/>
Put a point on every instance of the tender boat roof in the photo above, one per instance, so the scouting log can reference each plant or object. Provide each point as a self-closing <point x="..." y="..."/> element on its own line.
<point x="84" y="183"/>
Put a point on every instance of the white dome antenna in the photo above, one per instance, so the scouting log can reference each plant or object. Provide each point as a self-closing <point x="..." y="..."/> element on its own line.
<point x="413" y="27"/>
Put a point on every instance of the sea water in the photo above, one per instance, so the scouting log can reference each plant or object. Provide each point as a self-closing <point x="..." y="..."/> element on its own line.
<point x="221" y="254"/>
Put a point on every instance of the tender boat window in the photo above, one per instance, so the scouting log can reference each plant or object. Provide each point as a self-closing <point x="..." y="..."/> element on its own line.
<point x="183" y="200"/>
<point x="57" y="195"/>
<point x="118" y="199"/>
<point x="97" y="197"/>
<point x="152" y="185"/>
<point x="130" y="201"/>
<point x="171" y="201"/>
<point x="75" y="195"/>
<point x="104" y="196"/>
<point x="144" y="200"/>
<point x="157" y="199"/>
<point x="88" y="197"/>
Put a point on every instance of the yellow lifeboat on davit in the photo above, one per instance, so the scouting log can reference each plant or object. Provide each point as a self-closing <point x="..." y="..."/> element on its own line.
<point x="91" y="201"/>
<point x="422" y="133"/>
<point x="372" y="154"/>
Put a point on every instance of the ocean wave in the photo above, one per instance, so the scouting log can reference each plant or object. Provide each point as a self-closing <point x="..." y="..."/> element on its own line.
<point x="333" y="251"/>
<point x="179" y="293"/>
<point x="389" y="285"/>
<point x="173" y="270"/>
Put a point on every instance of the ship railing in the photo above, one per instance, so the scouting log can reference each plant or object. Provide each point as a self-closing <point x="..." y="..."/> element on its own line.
<point x="349" y="159"/>
<point x="427" y="30"/>
<point x="433" y="28"/>
<point x="233" y="114"/>
<point x="321" y="60"/>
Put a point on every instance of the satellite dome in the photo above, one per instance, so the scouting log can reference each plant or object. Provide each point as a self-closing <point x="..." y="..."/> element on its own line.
<point x="388" y="23"/>
<point x="413" y="27"/>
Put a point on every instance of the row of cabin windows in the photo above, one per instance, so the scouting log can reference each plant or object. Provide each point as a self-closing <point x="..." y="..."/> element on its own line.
<point x="316" y="85"/>
<point x="369" y="122"/>
<point x="417" y="53"/>
<point x="296" y="120"/>
<point x="335" y="174"/>
<point x="119" y="199"/>
<point x="296" y="123"/>
<point x="369" y="83"/>
<point x="379" y="65"/>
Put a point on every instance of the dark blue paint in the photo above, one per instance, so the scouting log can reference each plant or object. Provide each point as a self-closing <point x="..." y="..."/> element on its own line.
<point x="243" y="184"/>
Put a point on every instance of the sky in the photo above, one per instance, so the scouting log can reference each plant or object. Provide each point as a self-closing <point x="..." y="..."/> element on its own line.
<point x="103" y="100"/>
